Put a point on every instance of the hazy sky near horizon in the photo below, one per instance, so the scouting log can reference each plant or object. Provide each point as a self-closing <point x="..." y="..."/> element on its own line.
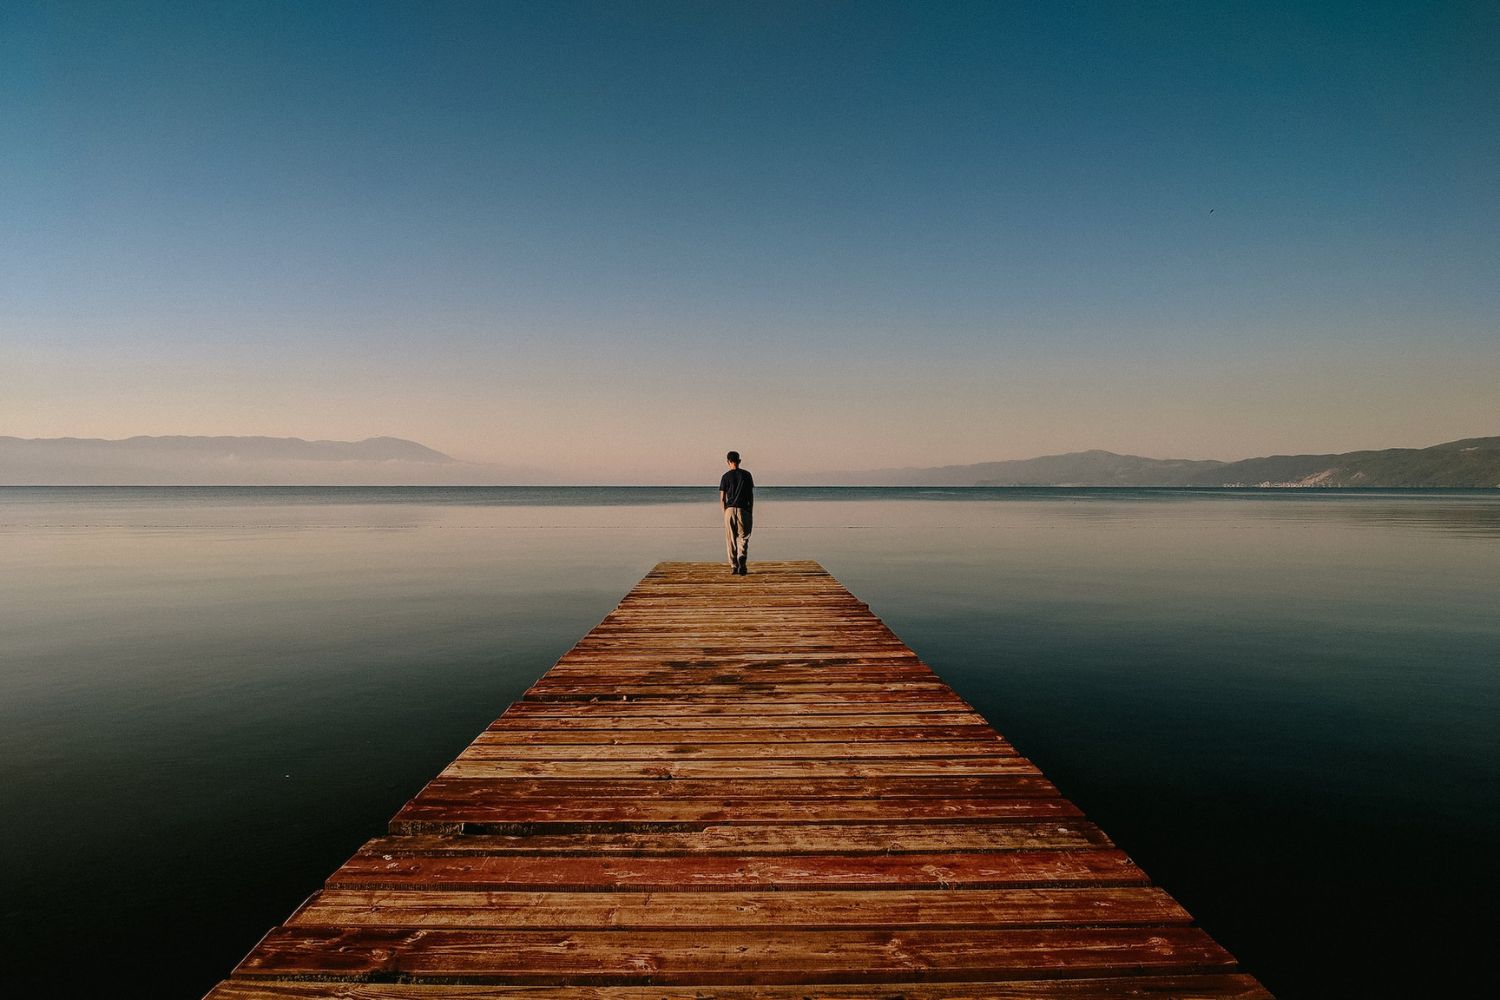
<point x="623" y="237"/>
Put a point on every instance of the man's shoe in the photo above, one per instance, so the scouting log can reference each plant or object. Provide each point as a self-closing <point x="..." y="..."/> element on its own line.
<point x="734" y="569"/>
<point x="742" y="570"/>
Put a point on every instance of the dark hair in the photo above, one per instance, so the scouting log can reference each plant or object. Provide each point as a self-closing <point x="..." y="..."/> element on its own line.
<point x="733" y="456"/>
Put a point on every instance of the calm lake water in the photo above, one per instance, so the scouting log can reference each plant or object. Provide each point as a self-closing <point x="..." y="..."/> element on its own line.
<point x="1284" y="705"/>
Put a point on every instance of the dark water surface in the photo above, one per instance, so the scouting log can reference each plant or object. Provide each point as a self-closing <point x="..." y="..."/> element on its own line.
<point x="1284" y="705"/>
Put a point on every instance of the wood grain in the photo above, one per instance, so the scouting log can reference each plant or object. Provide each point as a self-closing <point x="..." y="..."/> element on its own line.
<point x="1211" y="986"/>
<point x="644" y="957"/>
<point x="788" y="908"/>
<point x="739" y="788"/>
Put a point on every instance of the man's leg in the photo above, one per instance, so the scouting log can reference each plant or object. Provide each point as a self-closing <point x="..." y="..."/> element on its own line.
<point x="745" y="524"/>
<point x="729" y="539"/>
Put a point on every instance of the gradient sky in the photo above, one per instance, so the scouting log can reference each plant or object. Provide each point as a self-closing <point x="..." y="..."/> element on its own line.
<point x="616" y="239"/>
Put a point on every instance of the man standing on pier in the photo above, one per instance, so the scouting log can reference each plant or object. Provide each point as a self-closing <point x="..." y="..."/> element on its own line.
<point x="737" y="497"/>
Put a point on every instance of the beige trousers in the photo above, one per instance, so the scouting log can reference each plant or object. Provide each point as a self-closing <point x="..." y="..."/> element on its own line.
<point x="737" y="533"/>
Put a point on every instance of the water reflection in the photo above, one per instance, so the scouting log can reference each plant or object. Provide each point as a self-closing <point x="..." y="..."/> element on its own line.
<point x="1236" y="684"/>
<point x="1470" y="513"/>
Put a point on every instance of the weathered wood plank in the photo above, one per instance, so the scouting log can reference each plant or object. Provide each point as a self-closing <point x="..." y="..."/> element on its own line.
<point x="791" y="631"/>
<point x="492" y="765"/>
<point x="505" y="735"/>
<point x="828" y="838"/>
<point x="748" y="712"/>
<point x="709" y="872"/>
<point x="742" y="751"/>
<point x="788" y="909"/>
<point x="760" y="957"/>
<point x="870" y="695"/>
<point x="618" y="659"/>
<point x="625" y="716"/>
<point x="683" y="661"/>
<point x="616" y="679"/>
<point x="431" y="814"/>
<point x="1002" y="786"/>
<point x="1135" y="987"/>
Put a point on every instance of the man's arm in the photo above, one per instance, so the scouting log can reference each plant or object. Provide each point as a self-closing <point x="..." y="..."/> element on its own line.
<point x="722" y="504"/>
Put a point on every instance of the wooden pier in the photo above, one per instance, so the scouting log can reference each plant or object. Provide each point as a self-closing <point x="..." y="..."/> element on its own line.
<point x="739" y="787"/>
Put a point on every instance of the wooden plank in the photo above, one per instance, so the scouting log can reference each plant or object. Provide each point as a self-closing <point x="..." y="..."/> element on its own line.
<point x="757" y="751"/>
<point x="617" y="679"/>
<point x="474" y="764"/>
<point x="1217" y="986"/>
<point x="480" y="790"/>
<point x="617" y="717"/>
<point x="807" y="692"/>
<point x="788" y="909"/>
<point x="711" y="872"/>
<point x="503" y="735"/>
<point x="739" y="787"/>
<point x="829" y="838"/>
<point x="432" y="814"/>
<point x="744" y="654"/>
<point x="585" y="957"/>
<point x="748" y="712"/>
<point x="673" y="666"/>
<point x="669" y="667"/>
<point x="787" y="633"/>
<point x="869" y="695"/>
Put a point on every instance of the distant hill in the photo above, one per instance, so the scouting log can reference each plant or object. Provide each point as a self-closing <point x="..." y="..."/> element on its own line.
<point x="151" y="461"/>
<point x="1472" y="462"/>
<point x="1080" y="468"/>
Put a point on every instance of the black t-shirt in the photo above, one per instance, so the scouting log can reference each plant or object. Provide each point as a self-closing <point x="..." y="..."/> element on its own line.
<point x="738" y="489"/>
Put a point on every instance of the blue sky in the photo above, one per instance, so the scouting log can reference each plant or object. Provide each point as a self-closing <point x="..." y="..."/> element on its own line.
<point x="615" y="239"/>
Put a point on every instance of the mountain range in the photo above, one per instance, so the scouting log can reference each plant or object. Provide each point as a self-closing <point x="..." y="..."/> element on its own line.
<point x="1472" y="462"/>
<point x="235" y="461"/>
<point x="380" y="461"/>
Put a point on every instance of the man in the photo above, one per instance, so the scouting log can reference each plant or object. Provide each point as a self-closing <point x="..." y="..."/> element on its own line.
<point x="737" y="497"/>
